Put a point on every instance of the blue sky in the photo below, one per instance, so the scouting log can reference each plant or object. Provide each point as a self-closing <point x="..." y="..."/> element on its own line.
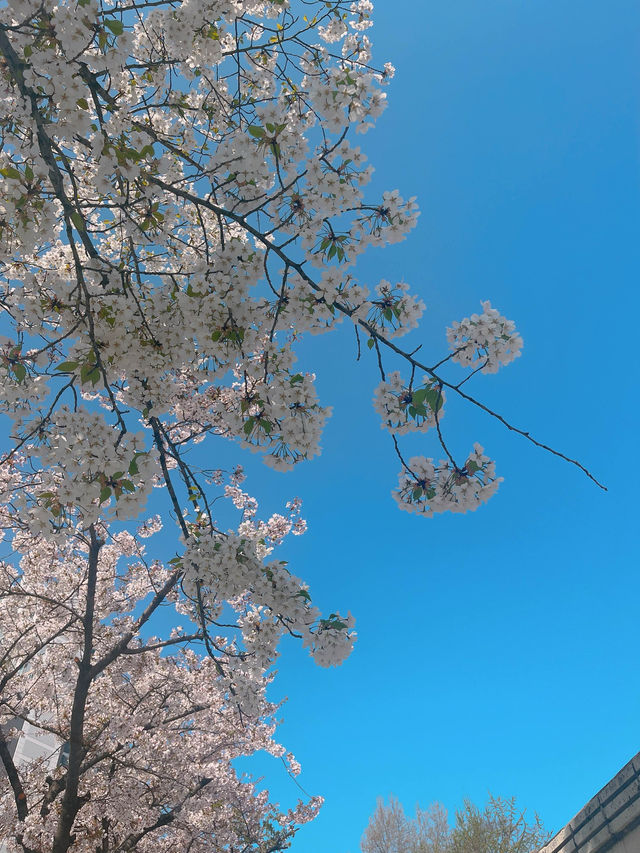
<point x="497" y="651"/>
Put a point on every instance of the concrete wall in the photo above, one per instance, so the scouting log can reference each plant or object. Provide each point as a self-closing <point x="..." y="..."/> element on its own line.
<point x="610" y="821"/>
<point x="32" y="743"/>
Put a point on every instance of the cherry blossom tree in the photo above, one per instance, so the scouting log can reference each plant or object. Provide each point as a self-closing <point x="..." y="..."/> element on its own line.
<point x="149" y="726"/>
<point x="182" y="200"/>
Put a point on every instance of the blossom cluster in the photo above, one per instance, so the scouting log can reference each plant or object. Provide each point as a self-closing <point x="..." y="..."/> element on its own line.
<point x="231" y="567"/>
<point x="425" y="488"/>
<point x="487" y="338"/>
<point x="394" y="311"/>
<point x="86" y="471"/>
<point x="405" y="409"/>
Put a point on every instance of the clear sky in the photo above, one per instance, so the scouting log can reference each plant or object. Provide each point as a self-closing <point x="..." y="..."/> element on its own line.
<point x="499" y="650"/>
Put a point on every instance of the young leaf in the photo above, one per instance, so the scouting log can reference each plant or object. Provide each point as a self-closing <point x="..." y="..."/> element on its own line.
<point x="78" y="221"/>
<point x="10" y="172"/>
<point x="116" y="27"/>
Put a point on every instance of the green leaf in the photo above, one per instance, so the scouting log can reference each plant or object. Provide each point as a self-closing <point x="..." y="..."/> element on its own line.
<point x="297" y="377"/>
<point x="28" y="50"/>
<point x="28" y="173"/>
<point x="191" y="292"/>
<point x="416" y="493"/>
<point x="89" y="373"/>
<point x="133" y="467"/>
<point x="67" y="366"/>
<point x="472" y="466"/>
<point x="387" y="314"/>
<point x="116" y="27"/>
<point x="266" y="425"/>
<point x="20" y="372"/>
<point x="248" y="426"/>
<point x="78" y="221"/>
<point x="256" y="131"/>
<point x="434" y="399"/>
<point x="10" y="172"/>
<point x="128" y="486"/>
<point x="83" y="103"/>
<point x="105" y="494"/>
<point x="371" y="343"/>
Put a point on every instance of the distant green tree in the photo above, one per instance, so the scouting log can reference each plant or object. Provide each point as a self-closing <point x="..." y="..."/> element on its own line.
<point x="500" y="827"/>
